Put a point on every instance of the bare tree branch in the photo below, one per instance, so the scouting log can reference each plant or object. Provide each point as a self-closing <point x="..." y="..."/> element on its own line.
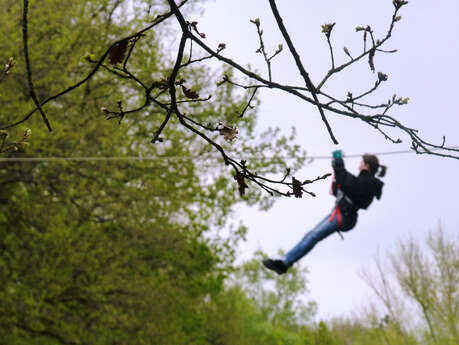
<point x="299" y="64"/>
<point x="163" y="93"/>
<point x="27" y="61"/>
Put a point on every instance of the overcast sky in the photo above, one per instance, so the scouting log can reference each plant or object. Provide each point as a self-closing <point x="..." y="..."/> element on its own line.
<point x="420" y="191"/>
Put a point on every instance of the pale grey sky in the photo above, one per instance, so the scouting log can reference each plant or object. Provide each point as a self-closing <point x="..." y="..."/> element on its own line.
<point x="419" y="192"/>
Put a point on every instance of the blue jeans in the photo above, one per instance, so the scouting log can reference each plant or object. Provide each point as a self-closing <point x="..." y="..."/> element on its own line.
<point x="324" y="229"/>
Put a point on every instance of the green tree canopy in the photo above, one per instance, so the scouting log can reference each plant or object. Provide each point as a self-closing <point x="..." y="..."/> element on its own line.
<point x="112" y="251"/>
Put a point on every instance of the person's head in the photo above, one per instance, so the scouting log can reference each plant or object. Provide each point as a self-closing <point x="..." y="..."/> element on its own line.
<point x="371" y="164"/>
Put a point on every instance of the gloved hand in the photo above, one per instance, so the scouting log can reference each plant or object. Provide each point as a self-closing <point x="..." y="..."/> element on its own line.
<point x="337" y="159"/>
<point x="337" y="154"/>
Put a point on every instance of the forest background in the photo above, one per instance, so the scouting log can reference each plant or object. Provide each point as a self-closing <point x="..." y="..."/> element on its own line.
<point x="143" y="252"/>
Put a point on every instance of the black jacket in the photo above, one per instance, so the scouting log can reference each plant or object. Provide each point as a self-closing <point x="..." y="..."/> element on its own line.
<point x="359" y="189"/>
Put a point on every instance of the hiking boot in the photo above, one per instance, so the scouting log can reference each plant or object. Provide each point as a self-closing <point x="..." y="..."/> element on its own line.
<point x="277" y="266"/>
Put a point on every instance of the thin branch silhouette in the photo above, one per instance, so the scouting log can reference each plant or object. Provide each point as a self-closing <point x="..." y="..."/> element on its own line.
<point x="163" y="94"/>
<point x="27" y="62"/>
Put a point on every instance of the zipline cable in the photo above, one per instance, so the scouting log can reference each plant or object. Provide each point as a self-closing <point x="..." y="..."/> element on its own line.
<point x="151" y="158"/>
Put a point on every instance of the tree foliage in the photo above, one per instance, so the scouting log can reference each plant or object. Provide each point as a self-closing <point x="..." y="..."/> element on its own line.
<point x="108" y="251"/>
<point x="172" y="96"/>
<point x="128" y="251"/>
<point x="419" y="289"/>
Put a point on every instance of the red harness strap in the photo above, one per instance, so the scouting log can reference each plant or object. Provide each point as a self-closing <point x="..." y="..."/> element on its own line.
<point x="336" y="212"/>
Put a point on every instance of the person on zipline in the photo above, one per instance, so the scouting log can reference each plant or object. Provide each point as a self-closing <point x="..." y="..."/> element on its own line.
<point x="352" y="193"/>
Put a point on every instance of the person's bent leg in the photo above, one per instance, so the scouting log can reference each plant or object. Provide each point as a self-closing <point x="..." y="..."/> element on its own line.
<point x="318" y="233"/>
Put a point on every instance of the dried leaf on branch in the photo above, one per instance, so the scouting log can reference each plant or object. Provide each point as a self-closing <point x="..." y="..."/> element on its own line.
<point x="117" y="52"/>
<point x="189" y="93"/>
<point x="297" y="188"/>
<point x="240" y="179"/>
<point x="229" y="133"/>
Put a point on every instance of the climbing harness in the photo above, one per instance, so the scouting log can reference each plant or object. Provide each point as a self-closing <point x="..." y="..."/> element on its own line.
<point x="337" y="213"/>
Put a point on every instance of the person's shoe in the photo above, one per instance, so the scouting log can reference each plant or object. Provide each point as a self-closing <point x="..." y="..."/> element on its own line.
<point x="277" y="266"/>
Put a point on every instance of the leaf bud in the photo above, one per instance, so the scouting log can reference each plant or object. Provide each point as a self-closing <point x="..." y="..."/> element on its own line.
<point x="256" y="21"/>
<point x="399" y="3"/>
<point x="229" y="133"/>
<point x="88" y="57"/>
<point x="327" y="29"/>
<point x="346" y="51"/>
<point x="382" y="76"/>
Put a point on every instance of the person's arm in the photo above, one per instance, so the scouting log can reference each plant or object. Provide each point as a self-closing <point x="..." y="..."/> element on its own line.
<point x="333" y="187"/>
<point x="344" y="179"/>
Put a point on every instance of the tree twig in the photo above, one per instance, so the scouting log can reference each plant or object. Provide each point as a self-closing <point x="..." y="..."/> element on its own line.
<point x="299" y="64"/>
<point x="27" y="62"/>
